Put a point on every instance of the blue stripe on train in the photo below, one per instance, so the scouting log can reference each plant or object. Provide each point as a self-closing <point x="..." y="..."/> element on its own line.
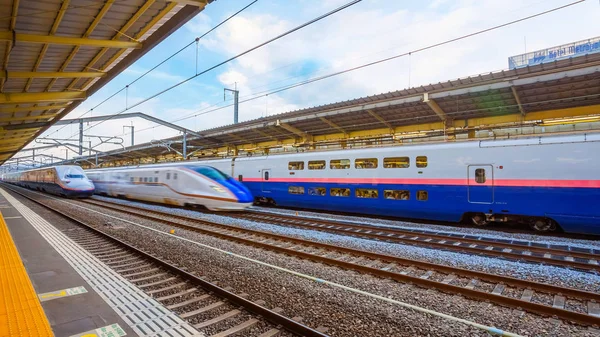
<point x="575" y="209"/>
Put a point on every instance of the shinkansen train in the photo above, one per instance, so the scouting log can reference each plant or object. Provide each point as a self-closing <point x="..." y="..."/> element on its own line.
<point x="174" y="184"/>
<point x="546" y="182"/>
<point x="64" y="180"/>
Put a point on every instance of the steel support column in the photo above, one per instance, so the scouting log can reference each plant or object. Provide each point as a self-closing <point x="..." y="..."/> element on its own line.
<point x="81" y="137"/>
<point x="184" y="145"/>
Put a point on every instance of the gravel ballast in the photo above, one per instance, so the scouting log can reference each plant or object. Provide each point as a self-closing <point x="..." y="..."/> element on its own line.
<point x="344" y="313"/>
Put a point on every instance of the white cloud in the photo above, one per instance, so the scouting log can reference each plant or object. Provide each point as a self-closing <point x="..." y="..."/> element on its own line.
<point x="364" y="33"/>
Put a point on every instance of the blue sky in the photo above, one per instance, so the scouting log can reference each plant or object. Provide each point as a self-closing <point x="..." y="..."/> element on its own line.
<point x="370" y="30"/>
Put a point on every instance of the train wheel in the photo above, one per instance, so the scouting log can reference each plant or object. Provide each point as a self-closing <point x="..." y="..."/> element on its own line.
<point x="543" y="225"/>
<point x="479" y="219"/>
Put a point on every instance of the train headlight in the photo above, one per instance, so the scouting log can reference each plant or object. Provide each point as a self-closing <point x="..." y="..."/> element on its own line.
<point x="218" y="189"/>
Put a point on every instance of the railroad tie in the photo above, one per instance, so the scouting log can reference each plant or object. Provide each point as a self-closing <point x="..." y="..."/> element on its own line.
<point x="472" y="284"/>
<point x="527" y="295"/>
<point x="498" y="289"/>
<point x="203" y="309"/>
<point x="190" y="301"/>
<point x="218" y="319"/>
<point x="270" y="333"/>
<point x="427" y="275"/>
<point x="559" y="302"/>
<point x="593" y="308"/>
<point x="449" y="278"/>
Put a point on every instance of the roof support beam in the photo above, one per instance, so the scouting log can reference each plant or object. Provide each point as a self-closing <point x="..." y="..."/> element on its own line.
<point x="87" y="33"/>
<point x="198" y="3"/>
<point x="57" y="20"/>
<point x="333" y="125"/>
<point x="9" y="46"/>
<point x="518" y="99"/>
<point x="305" y="136"/>
<point x="71" y="41"/>
<point x="12" y="133"/>
<point x="264" y="134"/>
<point x="434" y="106"/>
<point x="123" y="29"/>
<point x="26" y="118"/>
<point x="381" y="120"/>
<point x="35" y="97"/>
<point x="33" y="108"/>
<point x="18" y="139"/>
<point x="49" y="74"/>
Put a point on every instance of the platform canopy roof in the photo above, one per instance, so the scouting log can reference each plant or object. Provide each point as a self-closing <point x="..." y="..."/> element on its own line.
<point x="559" y="89"/>
<point x="56" y="53"/>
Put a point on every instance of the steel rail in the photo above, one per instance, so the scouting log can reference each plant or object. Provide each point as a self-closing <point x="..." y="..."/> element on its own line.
<point x="542" y="309"/>
<point x="271" y="316"/>
<point x="404" y="236"/>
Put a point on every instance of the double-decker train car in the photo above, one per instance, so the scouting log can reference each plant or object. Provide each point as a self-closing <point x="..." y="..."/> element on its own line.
<point x="547" y="182"/>
<point x="64" y="180"/>
<point x="174" y="184"/>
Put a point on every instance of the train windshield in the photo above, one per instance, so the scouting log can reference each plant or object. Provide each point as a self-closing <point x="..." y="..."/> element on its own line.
<point x="71" y="172"/>
<point x="211" y="173"/>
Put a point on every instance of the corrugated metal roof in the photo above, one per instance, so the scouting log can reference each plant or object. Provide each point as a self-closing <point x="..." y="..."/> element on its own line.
<point x="31" y="46"/>
<point x="562" y="84"/>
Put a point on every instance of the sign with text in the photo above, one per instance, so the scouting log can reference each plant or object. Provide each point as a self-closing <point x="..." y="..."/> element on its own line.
<point x="574" y="49"/>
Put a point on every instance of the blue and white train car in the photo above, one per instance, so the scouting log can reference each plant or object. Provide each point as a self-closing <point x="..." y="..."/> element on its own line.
<point x="182" y="184"/>
<point x="541" y="181"/>
<point x="64" y="180"/>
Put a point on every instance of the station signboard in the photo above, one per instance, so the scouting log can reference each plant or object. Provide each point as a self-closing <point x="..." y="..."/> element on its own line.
<point x="574" y="49"/>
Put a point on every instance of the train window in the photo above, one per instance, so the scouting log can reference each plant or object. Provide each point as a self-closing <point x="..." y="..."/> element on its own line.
<point x="316" y="165"/>
<point x="365" y="163"/>
<point x="155" y="179"/>
<point x="396" y="162"/>
<point x="480" y="176"/>
<point x="168" y="175"/>
<point x="132" y="179"/>
<point x="145" y="179"/>
<point x="339" y="164"/>
<point x="296" y="165"/>
<point x="175" y="176"/>
<point x="296" y="190"/>
<point x="339" y="192"/>
<point x="422" y="195"/>
<point x="396" y="194"/>
<point x="422" y="161"/>
<point x="366" y="193"/>
<point x="240" y="178"/>
<point x="266" y="175"/>
<point x="317" y="191"/>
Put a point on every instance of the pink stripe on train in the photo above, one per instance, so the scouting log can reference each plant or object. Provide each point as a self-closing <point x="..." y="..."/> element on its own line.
<point x="450" y="181"/>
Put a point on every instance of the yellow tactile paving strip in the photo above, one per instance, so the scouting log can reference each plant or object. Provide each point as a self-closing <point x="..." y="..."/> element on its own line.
<point x="21" y="313"/>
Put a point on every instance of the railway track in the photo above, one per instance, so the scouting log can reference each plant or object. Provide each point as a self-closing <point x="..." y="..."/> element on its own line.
<point x="564" y="256"/>
<point x="212" y="310"/>
<point x="545" y="299"/>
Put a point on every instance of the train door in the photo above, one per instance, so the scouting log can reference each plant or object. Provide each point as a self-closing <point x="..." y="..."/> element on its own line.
<point x="265" y="185"/>
<point x="480" y="184"/>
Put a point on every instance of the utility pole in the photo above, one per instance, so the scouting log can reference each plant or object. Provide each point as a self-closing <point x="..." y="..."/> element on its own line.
<point x="132" y="129"/>
<point x="81" y="137"/>
<point x="236" y="96"/>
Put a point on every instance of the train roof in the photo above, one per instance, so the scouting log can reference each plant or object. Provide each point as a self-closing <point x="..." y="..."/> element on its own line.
<point x="148" y="166"/>
<point x="416" y="147"/>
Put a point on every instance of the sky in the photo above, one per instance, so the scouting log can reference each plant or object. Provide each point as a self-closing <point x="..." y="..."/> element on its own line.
<point x="365" y="32"/>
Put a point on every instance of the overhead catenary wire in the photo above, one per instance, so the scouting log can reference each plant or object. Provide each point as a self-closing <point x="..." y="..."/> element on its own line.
<point x="196" y="40"/>
<point x="449" y="114"/>
<point x="320" y="78"/>
<point x="232" y="58"/>
<point x="323" y="77"/>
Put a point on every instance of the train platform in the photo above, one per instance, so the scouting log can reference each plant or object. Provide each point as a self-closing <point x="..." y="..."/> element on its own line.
<point x="50" y="286"/>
